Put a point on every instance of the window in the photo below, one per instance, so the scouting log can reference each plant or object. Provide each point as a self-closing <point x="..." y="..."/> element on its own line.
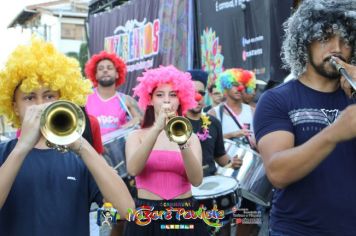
<point x="72" y="31"/>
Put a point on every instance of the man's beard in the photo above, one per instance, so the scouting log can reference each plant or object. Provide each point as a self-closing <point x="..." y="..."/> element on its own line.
<point x="195" y="111"/>
<point x="107" y="82"/>
<point x="322" y="70"/>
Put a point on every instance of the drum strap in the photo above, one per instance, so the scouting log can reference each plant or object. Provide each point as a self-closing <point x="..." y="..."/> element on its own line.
<point x="238" y="124"/>
<point x="123" y="105"/>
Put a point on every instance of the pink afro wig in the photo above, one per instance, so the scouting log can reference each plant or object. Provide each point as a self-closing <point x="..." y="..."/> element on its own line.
<point x="90" y="67"/>
<point x="180" y="81"/>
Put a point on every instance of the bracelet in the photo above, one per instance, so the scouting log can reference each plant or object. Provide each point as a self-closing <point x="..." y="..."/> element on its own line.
<point x="80" y="146"/>
<point x="184" y="146"/>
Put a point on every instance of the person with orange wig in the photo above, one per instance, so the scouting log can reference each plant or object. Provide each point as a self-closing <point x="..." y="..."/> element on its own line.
<point x="113" y="110"/>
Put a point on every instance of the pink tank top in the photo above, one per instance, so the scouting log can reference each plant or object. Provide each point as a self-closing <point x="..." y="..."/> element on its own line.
<point x="109" y="112"/>
<point x="164" y="175"/>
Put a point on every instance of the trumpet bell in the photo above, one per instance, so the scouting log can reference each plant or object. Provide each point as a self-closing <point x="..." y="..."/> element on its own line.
<point x="62" y="123"/>
<point x="179" y="129"/>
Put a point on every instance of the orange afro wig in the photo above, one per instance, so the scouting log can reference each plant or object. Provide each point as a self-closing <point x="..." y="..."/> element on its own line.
<point x="90" y="67"/>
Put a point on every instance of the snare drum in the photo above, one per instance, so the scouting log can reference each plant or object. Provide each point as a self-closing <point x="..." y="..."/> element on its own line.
<point x="114" y="150"/>
<point x="253" y="182"/>
<point x="219" y="191"/>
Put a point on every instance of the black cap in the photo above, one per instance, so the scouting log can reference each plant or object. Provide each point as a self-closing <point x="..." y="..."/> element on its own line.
<point x="199" y="75"/>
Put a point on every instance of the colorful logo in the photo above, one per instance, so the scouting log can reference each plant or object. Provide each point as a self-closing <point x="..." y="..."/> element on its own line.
<point x="212" y="58"/>
<point x="134" y="41"/>
<point x="144" y="215"/>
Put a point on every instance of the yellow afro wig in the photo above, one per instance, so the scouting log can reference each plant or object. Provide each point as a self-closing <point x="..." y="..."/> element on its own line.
<point x="38" y="64"/>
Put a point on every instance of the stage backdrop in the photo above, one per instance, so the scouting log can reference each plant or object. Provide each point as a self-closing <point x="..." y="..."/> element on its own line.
<point x="146" y="34"/>
<point x="242" y="33"/>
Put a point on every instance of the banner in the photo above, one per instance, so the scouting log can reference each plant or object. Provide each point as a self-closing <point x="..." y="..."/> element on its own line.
<point x="145" y="34"/>
<point x="242" y="33"/>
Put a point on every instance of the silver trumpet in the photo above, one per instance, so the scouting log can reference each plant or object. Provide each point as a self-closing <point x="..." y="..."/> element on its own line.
<point x="61" y="124"/>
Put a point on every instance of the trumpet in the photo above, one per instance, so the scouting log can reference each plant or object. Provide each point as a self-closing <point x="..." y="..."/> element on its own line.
<point x="178" y="129"/>
<point x="61" y="124"/>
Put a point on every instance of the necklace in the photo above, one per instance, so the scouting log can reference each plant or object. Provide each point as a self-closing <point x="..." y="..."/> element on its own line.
<point x="204" y="133"/>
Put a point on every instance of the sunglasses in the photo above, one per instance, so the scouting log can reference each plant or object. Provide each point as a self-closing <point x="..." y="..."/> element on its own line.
<point x="202" y="93"/>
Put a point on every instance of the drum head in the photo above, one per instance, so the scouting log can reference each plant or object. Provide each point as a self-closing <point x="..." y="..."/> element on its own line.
<point x="214" y="186"/>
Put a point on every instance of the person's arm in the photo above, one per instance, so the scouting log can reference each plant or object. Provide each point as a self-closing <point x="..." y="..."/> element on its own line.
<point x="29" y="138"/>
<point x="220" y="155"/>
<point x="10" y="168"/>
<point x="138" y="148"/>
<point x="192" y="158"/>
<point x="286" y="164"/>
<point x="237" y="134"/>
<point x="139" y="145"/>
<point x="226" y="160"/>
<point x="230" y="135"/>
<point x="137" y="114"/>
<point x="110" y="184"/>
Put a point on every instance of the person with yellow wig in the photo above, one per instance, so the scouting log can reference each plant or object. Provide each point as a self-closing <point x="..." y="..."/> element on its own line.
<point x="44" y="191"/>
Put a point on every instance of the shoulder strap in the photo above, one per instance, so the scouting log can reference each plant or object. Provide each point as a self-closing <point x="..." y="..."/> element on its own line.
<point x="238" y="124"/>
<point x="221" y="112"/>
<point x="233" y="117"/>
<point x="123" y="105"/>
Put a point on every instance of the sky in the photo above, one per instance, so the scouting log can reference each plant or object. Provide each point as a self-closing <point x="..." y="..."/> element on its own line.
<point x="10" y="38"/>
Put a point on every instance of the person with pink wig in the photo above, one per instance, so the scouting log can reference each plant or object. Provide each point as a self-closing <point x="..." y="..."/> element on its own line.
<point x="113" y="110"/>
<point x="164" y="170"/>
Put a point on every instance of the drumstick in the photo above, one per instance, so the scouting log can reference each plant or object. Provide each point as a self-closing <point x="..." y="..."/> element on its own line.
<point x="120" y="164"/>
<point x="205" y="167"/>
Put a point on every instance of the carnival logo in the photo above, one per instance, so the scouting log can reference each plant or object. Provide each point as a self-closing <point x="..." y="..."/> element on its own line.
<point x="135" y="40"/>
<point x="144" y="215"/>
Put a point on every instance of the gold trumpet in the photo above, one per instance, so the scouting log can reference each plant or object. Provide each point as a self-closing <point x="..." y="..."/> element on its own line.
<point x="178" y="129"/>
<point x="61" y="124"/>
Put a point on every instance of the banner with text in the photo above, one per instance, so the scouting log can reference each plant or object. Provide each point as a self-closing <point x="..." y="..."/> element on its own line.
<point x="145" y="34"/>
<point x="242" y="33"/>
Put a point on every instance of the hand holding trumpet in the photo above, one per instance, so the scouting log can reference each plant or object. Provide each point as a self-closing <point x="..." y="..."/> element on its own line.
<point x="164" y="114"/>
<point x="178" y="128"/>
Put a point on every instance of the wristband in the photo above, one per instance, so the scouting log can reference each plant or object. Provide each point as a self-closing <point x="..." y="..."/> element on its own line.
<point x="184" y="146"/>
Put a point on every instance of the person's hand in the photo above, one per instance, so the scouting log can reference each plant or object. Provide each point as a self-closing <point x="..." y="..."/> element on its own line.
<point x="164" y="114"/>
<point x="345" y="125"/>
<point x="30" y="128"/>
<point x="236" y="162"/>
<point x="351" y="70"/>
<point x="240" y="133"/>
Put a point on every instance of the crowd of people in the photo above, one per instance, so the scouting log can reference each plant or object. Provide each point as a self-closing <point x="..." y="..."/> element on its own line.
<point x="304" y="130"/>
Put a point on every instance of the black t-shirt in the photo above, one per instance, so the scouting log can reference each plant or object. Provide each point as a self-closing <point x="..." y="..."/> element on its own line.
<point x="213" y="146"/>
<point x="207" y="108"/>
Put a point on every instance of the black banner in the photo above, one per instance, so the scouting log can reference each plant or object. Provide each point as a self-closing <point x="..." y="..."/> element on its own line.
<point x="146" y="34"/>
<point x="242" y="33"/>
